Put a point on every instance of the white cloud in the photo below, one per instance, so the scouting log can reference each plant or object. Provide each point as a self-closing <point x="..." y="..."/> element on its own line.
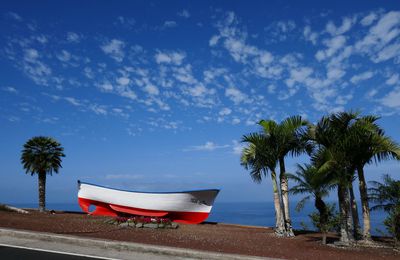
<point x="13" y="119"/>
<point x="42" y="39"/>
<point x="372" y="93"/>
<point x="165" y="124"/>
<point x="379" y="35"/>
<point x="126" y="22"/>
<point x="99" y="110"/>
<point x="369" y="19"/>
<point x="10" y="90"/>
<point x="169" y="24"/>
<point x="151" y="89"/>
<point x="115" y="49"/>
<point x="388" y="52"/>
<point x="88" y="72"/>
<point x="235" y="121"/>
<point x="127" y="92"/>
<point x="347" y="23"/>
<point x="64" y="56"/>
<point x="34" y="68"/>
<point x="31" y="55"/>
<point x="175" y="58"/>
<point x="214" y="40"/>
<point x="265" y="57"/>
<point x="123" y="176"/>
<point x="392" y="99"/>
<point x="225" y="111"/>
<point x="106" y="87"/>
<point x="279" y="30"/>
<point x="239" y="50"/>
<point x="299" y="75"/>
<point x="184" y="74"/>
<point x="208" y="146"/>
<point x="73" y="37"/>
<point x="237" y="147"/>
<point x="236" y="95"/>
<point x="333" y="44"/>
<point x="310" y="35"/>
<point x="123" y="81"/>
<point x="184" y="13"/>
<point x="271" y="89"/>
<point x="197" y="90"/>
<point x="343" y="99"/>
<point x="335" y="73"/>
<point x="361" y="77"/>
<point x="14" y="16"/>
<point x="285" y="26"/>
<point x="394" y="79"/>
<point x="73" y="101"/>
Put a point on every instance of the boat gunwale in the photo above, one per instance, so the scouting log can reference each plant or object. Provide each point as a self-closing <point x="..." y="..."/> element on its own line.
<point x="148" y="192"/>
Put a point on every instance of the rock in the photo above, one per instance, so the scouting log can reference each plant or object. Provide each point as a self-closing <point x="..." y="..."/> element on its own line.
<point x="139" y="225"/>
<point x="161" y="225"/>
<point x="9" y="208"/>
<point x="174" y="225"/>
<point x="150" y="225"/>
<point x="131" y="224"/>
<point x="124" y="224"/>
<point x="109" y="221"/>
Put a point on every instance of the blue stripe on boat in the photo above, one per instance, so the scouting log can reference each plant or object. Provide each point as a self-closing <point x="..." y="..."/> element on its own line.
<point x="156" y="192"/>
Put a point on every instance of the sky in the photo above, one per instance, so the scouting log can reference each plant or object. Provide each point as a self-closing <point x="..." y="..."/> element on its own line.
<point x="156" y="95"/>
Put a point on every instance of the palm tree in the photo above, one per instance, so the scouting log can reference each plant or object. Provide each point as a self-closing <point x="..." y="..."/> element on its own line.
<point x="288" y="139"/>
<point x="372" y="145"/>
<point x="334" y="137"/>
<point x="308" y="182"/>
<point x="42" y="155"/>
<point x="260" y="158"/>
<point x="386" y="196"/>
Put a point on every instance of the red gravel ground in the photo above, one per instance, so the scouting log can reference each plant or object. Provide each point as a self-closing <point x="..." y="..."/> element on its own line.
<point x="257" y="241"/>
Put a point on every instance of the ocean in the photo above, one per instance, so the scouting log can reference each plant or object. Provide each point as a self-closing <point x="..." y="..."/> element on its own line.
<point x="246" y="213"/>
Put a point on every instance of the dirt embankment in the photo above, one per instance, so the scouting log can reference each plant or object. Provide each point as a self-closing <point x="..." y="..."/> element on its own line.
<point x="225" y="238"/>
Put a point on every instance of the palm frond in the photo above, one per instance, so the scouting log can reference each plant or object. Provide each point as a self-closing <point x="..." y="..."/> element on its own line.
<point x="300" y="205"/>
<point x="42" y="155"/>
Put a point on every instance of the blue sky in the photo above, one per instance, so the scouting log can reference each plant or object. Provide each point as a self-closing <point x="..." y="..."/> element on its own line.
<point x="155" y="95"/>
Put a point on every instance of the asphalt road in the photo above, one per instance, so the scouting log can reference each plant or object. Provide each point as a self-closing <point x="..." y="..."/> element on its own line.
<point x="11" y="253"/>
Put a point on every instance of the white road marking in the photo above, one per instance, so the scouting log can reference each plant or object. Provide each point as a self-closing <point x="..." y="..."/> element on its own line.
<point x="58" y="252"/>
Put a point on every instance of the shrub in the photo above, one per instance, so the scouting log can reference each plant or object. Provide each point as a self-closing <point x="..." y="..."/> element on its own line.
<point x="333" y="224"/>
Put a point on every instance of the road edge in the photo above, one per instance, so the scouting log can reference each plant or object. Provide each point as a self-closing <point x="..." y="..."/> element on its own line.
<point x="123" y="246"/>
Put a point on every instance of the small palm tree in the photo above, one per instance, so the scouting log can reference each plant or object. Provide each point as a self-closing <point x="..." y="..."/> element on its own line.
<point x="288" y="138"/>
<point x="371" y="145"/>
<point x="334" y="136"/>
<point x="260" y="158"/>
<point x="309" y="182"/>
<point x="386" y="196"/>
<point x="42" y="155"/>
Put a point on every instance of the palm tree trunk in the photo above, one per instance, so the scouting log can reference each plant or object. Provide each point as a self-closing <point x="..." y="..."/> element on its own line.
<point x="364" y="204"/>
<point x="42" y="191"/>
<point x="323" y="217"/>
<point x="285" y="197"/>
<point x="396" y="228"/>
<point x="279" y="225"/>
<point x="345" y="219"/>
<point x="354" y="213"/>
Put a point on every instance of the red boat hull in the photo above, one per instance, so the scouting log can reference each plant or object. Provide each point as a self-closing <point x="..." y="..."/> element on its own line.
<point x="106" y="209"/>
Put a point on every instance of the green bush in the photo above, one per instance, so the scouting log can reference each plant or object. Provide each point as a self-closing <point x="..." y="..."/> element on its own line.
<point x="333" y="224"/>
<point x="392" y="223"/>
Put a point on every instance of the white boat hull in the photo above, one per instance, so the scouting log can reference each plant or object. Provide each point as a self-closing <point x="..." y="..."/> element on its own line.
<point x="187" y="207"/>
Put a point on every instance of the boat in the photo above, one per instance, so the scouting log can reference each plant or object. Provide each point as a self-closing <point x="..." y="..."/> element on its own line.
<point x="190" y="207"/>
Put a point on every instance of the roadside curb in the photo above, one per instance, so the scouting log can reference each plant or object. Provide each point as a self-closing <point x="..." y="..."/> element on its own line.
<point x="122" y="246"/>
